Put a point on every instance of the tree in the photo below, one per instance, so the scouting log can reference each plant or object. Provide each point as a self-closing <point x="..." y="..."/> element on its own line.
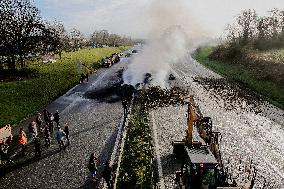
<point x="58" y="40"/>
<point x="114" y="40"/>
<point x="22" y="30"/>
<point x="103" y="37"/>
<point x="77" y="39"/>
<point x="247" y="25"/>
<point x="100" y="38"/>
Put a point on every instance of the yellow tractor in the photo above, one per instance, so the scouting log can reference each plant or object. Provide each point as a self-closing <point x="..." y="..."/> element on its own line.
<point x="199" y="152"/>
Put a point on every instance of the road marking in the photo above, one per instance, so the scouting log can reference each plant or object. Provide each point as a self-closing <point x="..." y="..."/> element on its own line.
<point x="157" y="147"/>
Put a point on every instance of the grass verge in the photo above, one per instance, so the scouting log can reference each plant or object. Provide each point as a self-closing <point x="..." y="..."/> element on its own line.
<point x="20" y="99"/>
<point x="137" y="167"/>
<point x="268" y="89"/>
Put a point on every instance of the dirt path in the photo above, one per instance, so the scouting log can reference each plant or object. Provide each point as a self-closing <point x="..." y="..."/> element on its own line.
<point x="251" y="128"/>
<point x="93" y="128"/>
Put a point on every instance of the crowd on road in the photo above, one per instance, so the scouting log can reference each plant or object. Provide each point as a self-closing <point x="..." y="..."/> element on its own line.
<point x="38" y="130"/>
<point x="47" y="124"/>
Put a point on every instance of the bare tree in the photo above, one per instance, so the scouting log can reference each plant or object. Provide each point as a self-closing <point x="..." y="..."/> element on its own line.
<point x="247" y="25"/>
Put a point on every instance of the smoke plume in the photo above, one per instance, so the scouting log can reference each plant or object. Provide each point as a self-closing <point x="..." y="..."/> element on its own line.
<point x="172" y="32"/>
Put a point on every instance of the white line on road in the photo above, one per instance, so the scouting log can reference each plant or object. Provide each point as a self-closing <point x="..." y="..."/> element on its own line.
<point x="157" y="147"/>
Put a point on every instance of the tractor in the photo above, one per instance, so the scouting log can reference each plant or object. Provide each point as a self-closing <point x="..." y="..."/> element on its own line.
<point x="200" y="156"/>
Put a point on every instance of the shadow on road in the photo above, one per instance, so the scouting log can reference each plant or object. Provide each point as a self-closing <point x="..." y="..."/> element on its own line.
<point x="104" y="156"/>
<point x="27" y="160"/>
<point x="170" y="164"/>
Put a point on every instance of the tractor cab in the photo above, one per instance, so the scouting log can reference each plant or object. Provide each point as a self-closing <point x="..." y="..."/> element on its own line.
<point x="199" y="169"/>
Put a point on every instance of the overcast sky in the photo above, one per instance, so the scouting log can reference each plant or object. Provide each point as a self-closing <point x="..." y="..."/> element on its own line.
<point x="129" y="17"/>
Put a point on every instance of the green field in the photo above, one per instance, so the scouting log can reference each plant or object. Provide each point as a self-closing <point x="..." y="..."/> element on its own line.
<point x="237" y="72"/>
<point x="21" y="99"/>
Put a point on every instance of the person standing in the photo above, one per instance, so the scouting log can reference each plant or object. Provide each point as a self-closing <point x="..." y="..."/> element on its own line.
<point x="39" y="121"/>
<point x="66" y="131"/>
<point x="93" y="166"/>
<point x="107" y="175"/>
<point x="4" y="151"/>
<point x="46" y="116"/>
<point x="50" y="123"/>
<point x="59" y="138"/>
<point x="23" y="140"/>
<point x="37" y="147"/>
<point x="124" y="104"/>
<point x="46" y="136"/>
<point x="56" y="118"/>
<point x="32" y="130"/>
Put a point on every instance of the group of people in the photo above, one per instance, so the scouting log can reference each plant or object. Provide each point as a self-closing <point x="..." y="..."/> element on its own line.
<point x="47" y="128"/>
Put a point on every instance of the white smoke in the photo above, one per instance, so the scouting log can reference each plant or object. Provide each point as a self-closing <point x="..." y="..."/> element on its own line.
<point x="172" y="32"/>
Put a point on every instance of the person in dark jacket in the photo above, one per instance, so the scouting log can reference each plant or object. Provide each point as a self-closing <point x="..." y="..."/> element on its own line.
<point x="107" y="175"/>
<point x="37" y="147"/>
<point x="66" y="131"/>
<point x="93" y="166"/>
<point x="124" y="104"/>
<point x="46" y="116"/>
<point x="4" y="151"/>
<point x="46" y="136"/>
<point x="56" y="118"/>
<point x="50" y="122"/>
<point x="39" y="121"/>
<point x="59" y="138"/>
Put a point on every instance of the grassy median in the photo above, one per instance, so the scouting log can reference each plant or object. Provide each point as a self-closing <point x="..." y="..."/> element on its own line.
<point x="270" y="90"/>
<point x="137" y="166"/>
<point x="20" y="99"/>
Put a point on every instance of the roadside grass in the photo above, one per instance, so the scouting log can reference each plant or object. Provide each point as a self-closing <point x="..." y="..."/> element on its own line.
<point x="21" y="99"/>
<point x="137" y="165"/>
<point x="268" y="89"/>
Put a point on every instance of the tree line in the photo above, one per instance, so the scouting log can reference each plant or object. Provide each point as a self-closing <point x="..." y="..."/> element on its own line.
<point x="25" y="34"/>
<point x="257" y="32"/>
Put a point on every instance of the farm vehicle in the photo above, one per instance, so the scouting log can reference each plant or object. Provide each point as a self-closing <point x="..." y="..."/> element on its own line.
<point x="200" y="155"/>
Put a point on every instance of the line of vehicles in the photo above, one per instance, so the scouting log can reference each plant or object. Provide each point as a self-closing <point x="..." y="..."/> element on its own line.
<point x="115" y="58"/>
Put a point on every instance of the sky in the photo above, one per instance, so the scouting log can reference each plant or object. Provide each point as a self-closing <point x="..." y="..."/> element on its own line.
<point x="132" y="17"/>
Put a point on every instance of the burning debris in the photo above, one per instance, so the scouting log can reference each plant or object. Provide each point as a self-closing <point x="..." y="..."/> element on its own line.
<point x="155" y="97"/>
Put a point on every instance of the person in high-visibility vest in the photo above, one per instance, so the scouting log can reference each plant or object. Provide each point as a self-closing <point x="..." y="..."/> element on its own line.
<point x="23" y="140"/>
